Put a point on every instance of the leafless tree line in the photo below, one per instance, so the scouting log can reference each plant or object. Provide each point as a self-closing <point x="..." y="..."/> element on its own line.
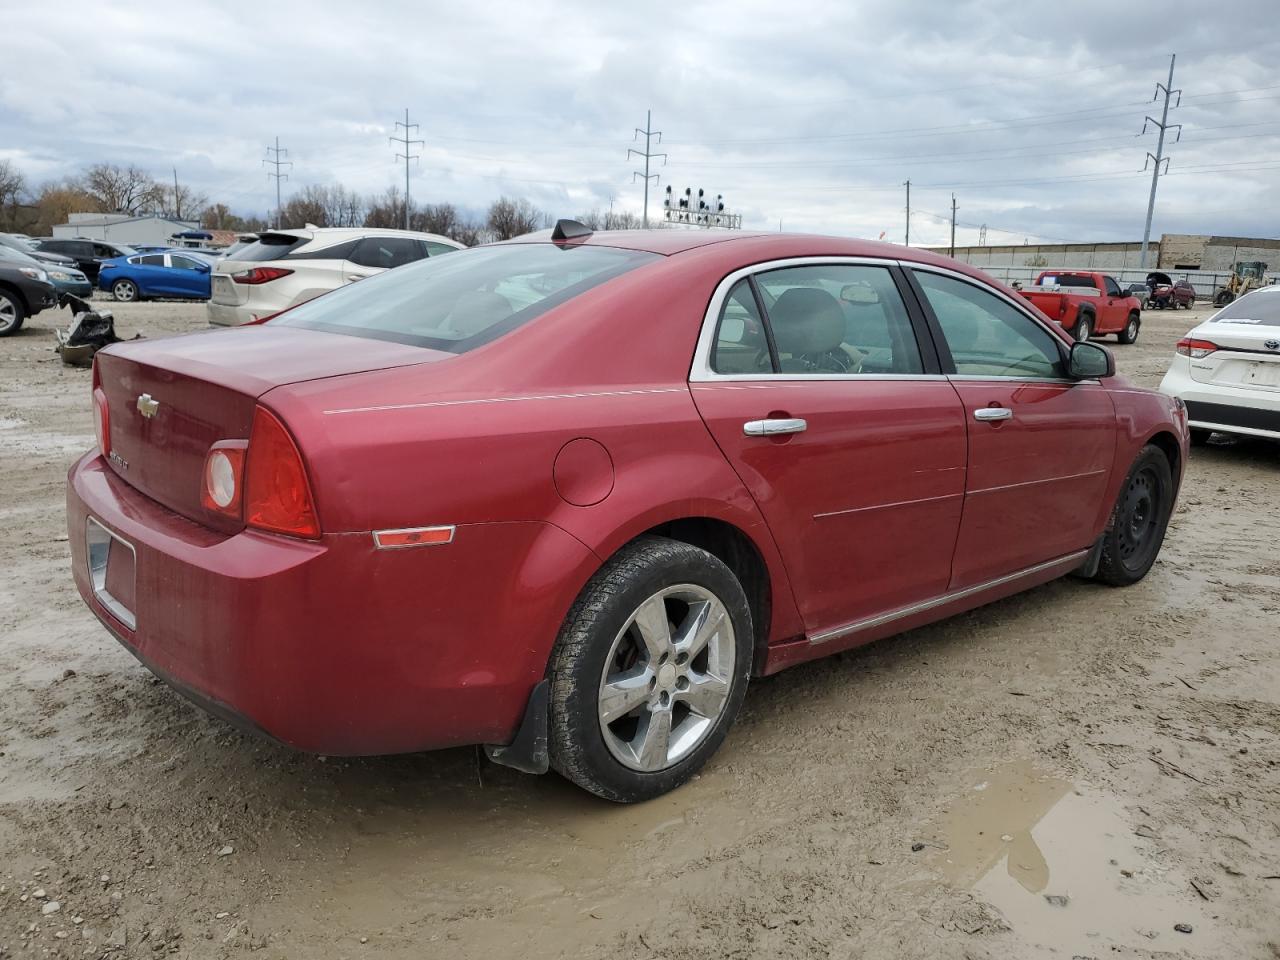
<point x="108" y="188"/>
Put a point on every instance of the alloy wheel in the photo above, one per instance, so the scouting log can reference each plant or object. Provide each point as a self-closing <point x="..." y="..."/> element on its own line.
<point x="8" y="313"/>
<point x="124" y="291"/>
<point x="667" y="677"/>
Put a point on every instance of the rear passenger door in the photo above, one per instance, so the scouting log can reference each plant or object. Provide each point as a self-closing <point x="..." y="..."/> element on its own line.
<point x="1041" y="446"/>
<point x="822" y="388"/>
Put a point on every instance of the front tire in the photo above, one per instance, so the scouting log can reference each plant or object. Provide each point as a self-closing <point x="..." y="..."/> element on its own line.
<point x="1138" y="522"/>
<point x="126" y="291"/>
<point x="12" y="313"/>
<point x="1084" y="327"/>
<point x="1130" y="332"/>
<point x="649" y="671"/>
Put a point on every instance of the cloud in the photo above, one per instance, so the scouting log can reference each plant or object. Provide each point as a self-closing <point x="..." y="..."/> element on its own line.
<point x="812" y="114"/>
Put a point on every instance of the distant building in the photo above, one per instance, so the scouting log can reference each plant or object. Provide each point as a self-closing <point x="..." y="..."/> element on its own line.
<point x="122" y="228"/>
<point x="1173" y="252"/>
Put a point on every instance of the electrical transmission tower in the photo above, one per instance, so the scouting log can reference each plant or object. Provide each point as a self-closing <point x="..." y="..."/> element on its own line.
<point x="1159" y="156"/>
<point x="407" y="143"/>
<point x="648" y="154"/>
<point x="274" y="161"/>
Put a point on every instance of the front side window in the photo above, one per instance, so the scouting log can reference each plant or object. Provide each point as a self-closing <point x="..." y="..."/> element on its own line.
<point x="987" y="336"/>
<point x="839" y="319"/>
<point x="462" y="301"/>
<point x="741" y="345"/>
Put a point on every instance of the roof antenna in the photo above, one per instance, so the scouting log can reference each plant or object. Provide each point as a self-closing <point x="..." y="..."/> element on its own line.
<point x="570" y="230"/>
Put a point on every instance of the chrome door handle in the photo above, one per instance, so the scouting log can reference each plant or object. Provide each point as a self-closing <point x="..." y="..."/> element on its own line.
<point x="772" y="428"/>
<point x="993" y="413"/>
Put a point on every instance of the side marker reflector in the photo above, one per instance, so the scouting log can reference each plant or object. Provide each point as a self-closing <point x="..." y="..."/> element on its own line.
<point x="412" y="537"/>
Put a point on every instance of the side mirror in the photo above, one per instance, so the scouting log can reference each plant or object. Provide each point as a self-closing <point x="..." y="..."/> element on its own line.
<point x="1088" y="361"/>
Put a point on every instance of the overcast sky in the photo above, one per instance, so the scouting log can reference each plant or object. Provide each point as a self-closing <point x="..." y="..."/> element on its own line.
<point x="811" y="114"/>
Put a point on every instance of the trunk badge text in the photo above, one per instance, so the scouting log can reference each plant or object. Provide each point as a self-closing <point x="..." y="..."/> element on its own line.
<point x="118" y="460"/>
<point x="146" y="406"/>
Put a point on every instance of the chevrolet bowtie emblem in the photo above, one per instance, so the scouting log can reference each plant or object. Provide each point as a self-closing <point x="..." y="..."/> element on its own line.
<point x="146" y="406"/>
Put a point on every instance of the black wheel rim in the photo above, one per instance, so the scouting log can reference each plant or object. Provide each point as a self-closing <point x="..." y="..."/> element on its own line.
<point x="1139" y="521"/>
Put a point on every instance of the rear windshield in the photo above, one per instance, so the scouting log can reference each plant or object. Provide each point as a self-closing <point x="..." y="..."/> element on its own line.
<point x="272" y="246"/>
<point x="1067" y="280"/>
<point x="1260" y="307"/>
<point x="467" y="299"/>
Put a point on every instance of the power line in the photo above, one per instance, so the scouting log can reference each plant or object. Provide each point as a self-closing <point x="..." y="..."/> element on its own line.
<point x="406" y="156"/>
<point x="1162" y="126"/>
<point x="274" y="161"/>
<point x="648" y="155"/>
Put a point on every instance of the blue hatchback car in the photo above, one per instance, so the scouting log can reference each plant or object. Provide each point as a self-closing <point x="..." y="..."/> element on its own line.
<point x="172" y="274"/>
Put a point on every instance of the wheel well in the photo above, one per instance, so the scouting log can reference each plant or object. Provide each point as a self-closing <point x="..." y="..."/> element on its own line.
<point x="17" y="292"/>
<point x="1168" y="445"/>
<point x="736" y="551"/>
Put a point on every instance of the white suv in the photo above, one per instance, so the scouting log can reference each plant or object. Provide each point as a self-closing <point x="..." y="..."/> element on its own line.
<point x="286" y="267"/>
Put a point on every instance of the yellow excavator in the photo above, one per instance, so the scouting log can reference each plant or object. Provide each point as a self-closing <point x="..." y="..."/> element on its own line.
<point x="1247" y="275"/>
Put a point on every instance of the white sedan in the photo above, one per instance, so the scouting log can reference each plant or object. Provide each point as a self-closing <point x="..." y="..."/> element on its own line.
<point x="1227" y="370"/>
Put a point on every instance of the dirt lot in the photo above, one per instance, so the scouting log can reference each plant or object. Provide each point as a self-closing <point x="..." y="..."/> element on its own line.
<point x="1068" y="773"/>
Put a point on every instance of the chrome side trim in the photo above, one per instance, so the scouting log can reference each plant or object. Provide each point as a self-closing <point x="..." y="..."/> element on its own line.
<point x="887" y="506"/>
<point x="1032" y="483"/>
<point x="700" y="371"/>
<point x="98" y="541"/>
<point x="902" y="612"/>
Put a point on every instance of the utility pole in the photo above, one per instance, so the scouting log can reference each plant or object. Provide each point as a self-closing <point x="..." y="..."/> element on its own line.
<point x="907" y="242"/>
<point x="407" y="156"/>
<point x="1159" y="157"/>
<point x="953" y="225"/>
<point x="177" y="198"/>
<point x="648" y="154"/>
<point x="274" y="161"/>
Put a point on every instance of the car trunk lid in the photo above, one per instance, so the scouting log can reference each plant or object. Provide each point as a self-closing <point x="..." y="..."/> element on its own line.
<point x="169" y="400"/>
<point x="1248" y="355"/>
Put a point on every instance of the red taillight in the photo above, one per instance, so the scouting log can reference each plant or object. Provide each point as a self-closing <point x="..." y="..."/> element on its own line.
<point x="260" y="275"/>
<point x="101" y="416"/>
<point x="1195" y="349"/>
<point x="223" y="478"/>
<point x="277" y="495"/>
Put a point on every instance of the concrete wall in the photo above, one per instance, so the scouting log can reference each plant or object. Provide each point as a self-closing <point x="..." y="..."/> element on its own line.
<point x="1077" y="256"/>
<point x="130" y="230"/>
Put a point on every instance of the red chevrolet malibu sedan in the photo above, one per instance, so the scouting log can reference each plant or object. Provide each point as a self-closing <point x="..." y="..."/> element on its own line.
<point x="563" y="496"/>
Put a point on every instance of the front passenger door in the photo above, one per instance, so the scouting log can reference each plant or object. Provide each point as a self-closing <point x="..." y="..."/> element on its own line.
<point x="1041" y="446"/>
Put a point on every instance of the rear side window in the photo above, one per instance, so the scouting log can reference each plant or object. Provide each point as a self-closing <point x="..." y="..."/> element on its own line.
<point x="270" y="246"/>
<point x="1260" y="307"/>
<point x="741" y="345"/>
<point x="460" y="302"/>
<point x="435" y="249"/>
<point x="386" y="253"/>
<point x="150" y="260"/>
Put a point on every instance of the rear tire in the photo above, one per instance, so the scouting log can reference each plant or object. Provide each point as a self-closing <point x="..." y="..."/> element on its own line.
<point x="12" y="313"/>
<point x="1138" y="521"/>
<point x="126" y="291"/>
<point x="1084" y="327"/>
<point x="637" y="707"/>
<point x="1223" y="298"/>
<point x="1200" y="436"/>
<point x="1130" y="332"/>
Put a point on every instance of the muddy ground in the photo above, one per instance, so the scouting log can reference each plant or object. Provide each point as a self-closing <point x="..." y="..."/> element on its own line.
<point x="1067" y="773"/>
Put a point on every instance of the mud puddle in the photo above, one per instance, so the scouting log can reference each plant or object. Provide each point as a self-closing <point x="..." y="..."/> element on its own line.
<point x="1073" y="873"/>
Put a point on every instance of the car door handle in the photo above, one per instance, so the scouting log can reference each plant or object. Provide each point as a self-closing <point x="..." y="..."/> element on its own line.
<point x="772" y="428"/>
<point x="993" y="413"/>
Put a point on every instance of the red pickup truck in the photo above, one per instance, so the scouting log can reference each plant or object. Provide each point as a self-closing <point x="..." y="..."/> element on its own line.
<point x="1087" y="304"/>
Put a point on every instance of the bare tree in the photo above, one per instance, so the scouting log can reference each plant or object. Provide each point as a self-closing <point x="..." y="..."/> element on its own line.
<point x="608" y="220"/>
<point x="179" y="202"/>
<point x="55" y="203"/>
<point x="513" y="218"/>
<point x="386" y="211"/>
<point x="121" y="189"/>
<point x="308" y="205"/>
<point x="13" y="186"/>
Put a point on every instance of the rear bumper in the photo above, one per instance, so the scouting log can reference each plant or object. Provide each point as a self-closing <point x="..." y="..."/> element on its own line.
<point x="1227" y="409"/>
<point x="332" y="646"/>
<point x="228" y="315"/>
